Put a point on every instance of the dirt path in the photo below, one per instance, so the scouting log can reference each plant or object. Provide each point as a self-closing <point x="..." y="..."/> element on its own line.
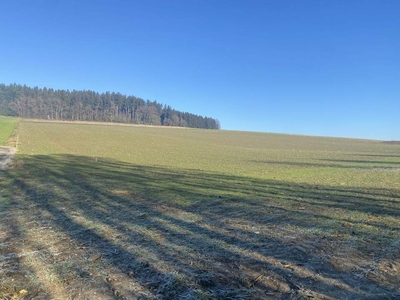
<point x="6" y="155"/>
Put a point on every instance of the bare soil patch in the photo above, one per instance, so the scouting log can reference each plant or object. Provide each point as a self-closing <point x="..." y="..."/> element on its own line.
<point x="6" y="155"/>
<point x="103" y="123"/>
<point x="392" y="142"/>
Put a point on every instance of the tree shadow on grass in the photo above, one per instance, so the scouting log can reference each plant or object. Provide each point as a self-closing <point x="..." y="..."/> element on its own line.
<point x="340" y="164"/>
<point x="377" y="155"/>
<point x="362" y="161"/>
<point x="187" y="234"/>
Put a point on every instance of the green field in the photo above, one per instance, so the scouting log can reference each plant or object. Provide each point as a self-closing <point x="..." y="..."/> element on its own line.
<point x="6" y="128"/>
<point x="298" y="159"/>
<point x="172" y="213"/>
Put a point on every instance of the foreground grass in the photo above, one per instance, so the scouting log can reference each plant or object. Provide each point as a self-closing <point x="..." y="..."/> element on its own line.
<point x="103" y="212"/>
<point x="7" y="125"/>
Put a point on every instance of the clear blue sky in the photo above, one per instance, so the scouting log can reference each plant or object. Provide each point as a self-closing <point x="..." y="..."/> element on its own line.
<point x="327" y="68"/>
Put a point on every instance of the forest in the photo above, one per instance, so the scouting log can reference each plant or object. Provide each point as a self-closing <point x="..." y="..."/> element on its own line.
<point x="46" y="103"/>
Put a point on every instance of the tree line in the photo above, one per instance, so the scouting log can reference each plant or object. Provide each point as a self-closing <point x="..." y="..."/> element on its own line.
<point x="46" y="103"/>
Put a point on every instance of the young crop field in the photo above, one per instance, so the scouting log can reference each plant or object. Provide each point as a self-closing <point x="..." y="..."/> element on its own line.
<point x="128" y="212"/>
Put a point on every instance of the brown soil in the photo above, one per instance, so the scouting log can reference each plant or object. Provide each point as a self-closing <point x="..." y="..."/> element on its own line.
<point x="101" y="123"/>
<point x="6" y="155"/>
<point x="392" y="142"/>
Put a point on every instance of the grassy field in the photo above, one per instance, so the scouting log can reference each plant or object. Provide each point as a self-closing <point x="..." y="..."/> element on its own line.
<point x="111" y="212"/>
<point x="7" y="125"/>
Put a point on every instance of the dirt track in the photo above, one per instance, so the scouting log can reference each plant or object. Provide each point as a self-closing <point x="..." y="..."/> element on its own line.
<point x="6" y="155"/>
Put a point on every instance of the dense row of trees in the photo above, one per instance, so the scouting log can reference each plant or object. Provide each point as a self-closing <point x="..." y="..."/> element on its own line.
<point x="27" y="102"/>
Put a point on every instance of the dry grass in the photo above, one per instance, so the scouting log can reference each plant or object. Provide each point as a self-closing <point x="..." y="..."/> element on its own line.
<point x="95" y="227"/>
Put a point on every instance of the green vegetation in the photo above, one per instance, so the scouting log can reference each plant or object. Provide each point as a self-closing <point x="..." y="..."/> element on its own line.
<point x="26" y="102"/>
<point x="173" y="213"/>
<point x="300" y="159"/>
<point x="7" y="125"/>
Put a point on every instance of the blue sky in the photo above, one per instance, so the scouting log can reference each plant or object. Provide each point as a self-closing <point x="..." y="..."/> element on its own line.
<point x="328" y="68"/>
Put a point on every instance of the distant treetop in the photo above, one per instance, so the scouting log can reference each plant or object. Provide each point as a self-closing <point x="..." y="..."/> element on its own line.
<point x="86" y="105"/>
